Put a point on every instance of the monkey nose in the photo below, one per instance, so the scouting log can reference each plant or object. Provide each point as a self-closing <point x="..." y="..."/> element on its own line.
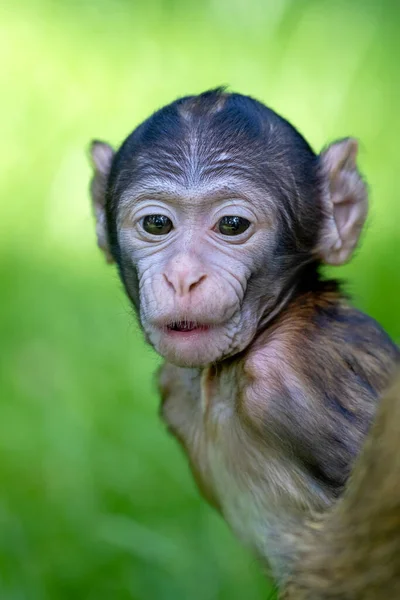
<point x="184" y="282"/>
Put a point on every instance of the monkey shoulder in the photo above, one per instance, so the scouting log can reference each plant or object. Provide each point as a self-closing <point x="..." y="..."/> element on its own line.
<point x="322" y="344"/>
<point x="313" y="381"/>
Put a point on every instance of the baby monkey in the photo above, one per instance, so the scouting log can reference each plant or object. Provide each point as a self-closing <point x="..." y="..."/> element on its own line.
<point x="219" y="215"/>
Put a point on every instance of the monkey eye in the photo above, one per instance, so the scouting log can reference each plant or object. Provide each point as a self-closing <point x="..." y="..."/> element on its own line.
<point x="157" y="224"/>
<point x="232" y="225"/>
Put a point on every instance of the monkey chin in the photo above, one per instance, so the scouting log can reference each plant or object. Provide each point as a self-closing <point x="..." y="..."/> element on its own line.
<point x="198" y="347"/>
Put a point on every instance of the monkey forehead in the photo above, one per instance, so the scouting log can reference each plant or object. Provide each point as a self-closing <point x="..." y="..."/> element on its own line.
<point x="204" y="193"/>
<point x="200" y="174"/>
<point x="198" y="165"/>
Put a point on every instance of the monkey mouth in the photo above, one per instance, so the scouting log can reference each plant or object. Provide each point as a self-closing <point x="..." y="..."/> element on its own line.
<point x="186" y="327"/>
<point x="186" y="342"/>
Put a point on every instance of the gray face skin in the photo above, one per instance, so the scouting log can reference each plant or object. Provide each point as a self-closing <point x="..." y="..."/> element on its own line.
<point x="213" y="210"/>
<point x="204" y="286"/>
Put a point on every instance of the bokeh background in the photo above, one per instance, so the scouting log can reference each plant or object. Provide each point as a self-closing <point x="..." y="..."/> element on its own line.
<point x="96" y="501"/>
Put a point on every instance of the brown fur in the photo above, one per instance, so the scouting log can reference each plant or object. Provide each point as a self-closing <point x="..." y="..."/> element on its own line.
<point x="353" y="553"/>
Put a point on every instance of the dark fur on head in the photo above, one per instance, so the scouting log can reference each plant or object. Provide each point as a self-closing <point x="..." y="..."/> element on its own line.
<point x="217" y="133"/>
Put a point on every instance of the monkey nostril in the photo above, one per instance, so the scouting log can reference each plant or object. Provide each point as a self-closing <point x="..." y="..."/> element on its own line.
<point x="169" y="283"/>
<point x="194" y="284"/>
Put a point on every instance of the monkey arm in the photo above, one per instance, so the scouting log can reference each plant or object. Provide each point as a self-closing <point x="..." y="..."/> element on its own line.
<point x="318" y="399"/>
<point x="181" y="411"/>
<point x="353" y="552"/>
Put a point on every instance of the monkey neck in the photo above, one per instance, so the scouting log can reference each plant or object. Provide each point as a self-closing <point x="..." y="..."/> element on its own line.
<point x="305" y="282"/>
<point x="310" y="279"/>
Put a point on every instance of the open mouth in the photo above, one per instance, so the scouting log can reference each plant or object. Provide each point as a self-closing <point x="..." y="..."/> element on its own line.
<point x="186" y="327"/>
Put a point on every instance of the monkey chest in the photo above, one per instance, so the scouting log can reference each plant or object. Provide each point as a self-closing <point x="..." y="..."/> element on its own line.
<point x="254" y="488"/>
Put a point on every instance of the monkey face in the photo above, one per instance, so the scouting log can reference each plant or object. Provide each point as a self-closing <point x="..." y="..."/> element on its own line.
<point x="188" y="257"/>
<point x="197" y="205"/>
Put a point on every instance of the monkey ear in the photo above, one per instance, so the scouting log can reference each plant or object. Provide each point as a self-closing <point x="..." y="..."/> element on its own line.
<point x="101" y="157"/>
<point x="345" y="202"/>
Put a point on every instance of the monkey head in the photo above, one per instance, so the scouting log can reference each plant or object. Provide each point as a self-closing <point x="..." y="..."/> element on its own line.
<point x="211" y="209"/>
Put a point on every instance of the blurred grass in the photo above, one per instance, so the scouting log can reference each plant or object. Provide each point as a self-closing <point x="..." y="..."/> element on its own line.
<point x="95" y="499"/>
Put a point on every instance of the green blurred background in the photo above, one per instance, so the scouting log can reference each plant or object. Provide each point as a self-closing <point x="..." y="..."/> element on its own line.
<point x="96" y="501"/>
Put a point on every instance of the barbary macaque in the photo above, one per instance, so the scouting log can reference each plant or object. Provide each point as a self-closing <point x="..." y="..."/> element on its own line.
<point x="219" y="215"/>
